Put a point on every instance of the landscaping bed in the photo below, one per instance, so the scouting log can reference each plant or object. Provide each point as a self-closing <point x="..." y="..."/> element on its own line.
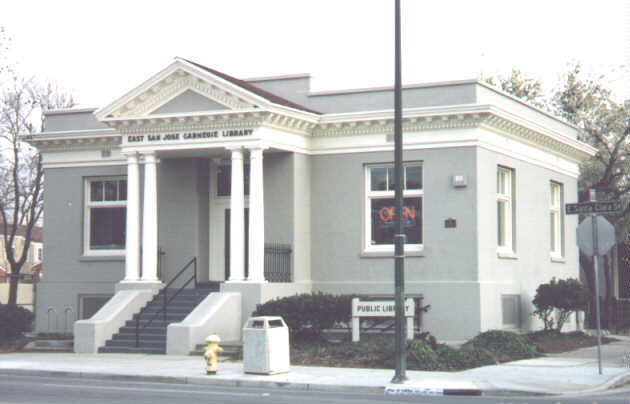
<point x="487" y="348"/>
<point x="556" y="342"/>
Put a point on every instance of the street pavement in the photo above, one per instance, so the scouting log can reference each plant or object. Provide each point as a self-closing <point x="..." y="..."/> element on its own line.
<point x="574" y="372"/>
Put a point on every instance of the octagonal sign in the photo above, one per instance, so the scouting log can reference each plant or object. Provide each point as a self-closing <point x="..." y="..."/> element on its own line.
<point x="605" y="236"/>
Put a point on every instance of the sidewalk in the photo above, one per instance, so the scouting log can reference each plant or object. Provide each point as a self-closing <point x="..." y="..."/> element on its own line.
<point x="570" y="373"/>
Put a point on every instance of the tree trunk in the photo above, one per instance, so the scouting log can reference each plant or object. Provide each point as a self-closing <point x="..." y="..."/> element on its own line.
<point x="13" y="288"/>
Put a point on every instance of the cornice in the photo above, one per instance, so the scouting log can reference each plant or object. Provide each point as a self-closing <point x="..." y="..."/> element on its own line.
<point x="486" y="117"/>
<point x="458" y="117"/>
<point x="66" y="141"/>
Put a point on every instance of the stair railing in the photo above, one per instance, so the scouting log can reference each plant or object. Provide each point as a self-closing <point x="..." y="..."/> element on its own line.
<point x="166" y="300"/>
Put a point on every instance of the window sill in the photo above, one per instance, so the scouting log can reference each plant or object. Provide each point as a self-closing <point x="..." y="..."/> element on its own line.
<point x="102" y="258"/>
<point x="389" y="254"/>
<point x="558" y="259"/>
<point x="507" y="255"/>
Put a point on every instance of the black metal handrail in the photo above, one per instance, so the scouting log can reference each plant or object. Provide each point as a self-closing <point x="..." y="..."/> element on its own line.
<point x="166" y="300"/>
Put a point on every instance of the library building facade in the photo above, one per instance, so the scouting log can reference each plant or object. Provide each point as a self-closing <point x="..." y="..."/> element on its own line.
<point x="196" y="187"/>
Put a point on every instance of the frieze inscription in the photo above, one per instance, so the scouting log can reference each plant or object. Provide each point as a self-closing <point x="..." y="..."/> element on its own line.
<point x="169" y="137"/>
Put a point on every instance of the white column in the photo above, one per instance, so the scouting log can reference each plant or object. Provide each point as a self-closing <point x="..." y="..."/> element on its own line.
<point x="256" y="216"/>
<point x="132" y="243"/>
<point x="149" y="220"/>
<point x="237" y="218"/>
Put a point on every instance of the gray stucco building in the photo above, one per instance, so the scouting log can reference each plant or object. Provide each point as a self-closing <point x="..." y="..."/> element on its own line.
<point x="277" y="190"/>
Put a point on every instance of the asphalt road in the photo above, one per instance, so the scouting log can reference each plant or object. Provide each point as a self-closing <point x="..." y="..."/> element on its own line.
<point x="57" y="390"/>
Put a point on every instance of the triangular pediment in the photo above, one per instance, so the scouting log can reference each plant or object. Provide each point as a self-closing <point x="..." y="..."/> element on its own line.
<point x="180" y="88"/>
<point x="189" y="101"/>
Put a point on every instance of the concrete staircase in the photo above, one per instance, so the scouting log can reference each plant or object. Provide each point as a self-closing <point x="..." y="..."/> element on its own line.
<point x="152" y="335"/>
<point x="232" y="350"/>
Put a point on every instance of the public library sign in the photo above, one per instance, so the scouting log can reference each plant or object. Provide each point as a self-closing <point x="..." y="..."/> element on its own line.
<point x="381" y="308"/>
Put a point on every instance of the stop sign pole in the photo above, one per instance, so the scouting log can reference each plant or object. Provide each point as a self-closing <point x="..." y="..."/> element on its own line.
<point x="593" y="198"/>
<point x="594" y="241"/>
<point x="595" y="238"/>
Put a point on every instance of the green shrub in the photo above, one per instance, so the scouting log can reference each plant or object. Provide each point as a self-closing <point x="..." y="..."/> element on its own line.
<point x="308" y="314"/>
<point x="468" y="357"/>
<point x="564" y="295"/>
<point x="420" y="355"/>
<point x="504" y="345"/>
<point x="14" y="320"/>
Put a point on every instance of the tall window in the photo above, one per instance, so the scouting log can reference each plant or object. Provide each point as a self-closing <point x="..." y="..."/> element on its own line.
<point x="505" y="209"/>
<point x="381" y="211"/>
<point x="105" y="216"/>
<point x="555" y="219"/>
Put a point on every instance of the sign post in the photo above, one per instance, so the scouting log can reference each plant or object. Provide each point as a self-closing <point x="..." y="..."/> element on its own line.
<point x="595" y="237"/>
<point x="400" y="375"/>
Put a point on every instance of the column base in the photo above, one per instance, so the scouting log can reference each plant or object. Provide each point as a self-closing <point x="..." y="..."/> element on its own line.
<point x="153" y="286"/>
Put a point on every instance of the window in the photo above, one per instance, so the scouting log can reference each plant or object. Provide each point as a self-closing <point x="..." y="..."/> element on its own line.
<point x="40" y="254"/>
<point x="224" y="180"/>
<point x="511" y="311"/>
<point x="381" y="211"/>
<point x="105" y="216"/>
<point x="505" y="210"/>
<point x="556" y="219"/>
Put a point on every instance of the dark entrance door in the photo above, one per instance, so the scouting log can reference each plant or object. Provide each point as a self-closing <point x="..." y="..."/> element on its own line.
<point x="227" y="243"/>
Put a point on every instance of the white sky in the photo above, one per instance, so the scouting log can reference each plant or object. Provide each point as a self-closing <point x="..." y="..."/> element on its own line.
<point x="101" y="49"/>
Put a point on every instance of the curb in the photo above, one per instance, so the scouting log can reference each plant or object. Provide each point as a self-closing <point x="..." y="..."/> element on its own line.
<point x="615" y="382"/>
<point x="198" y="381"/>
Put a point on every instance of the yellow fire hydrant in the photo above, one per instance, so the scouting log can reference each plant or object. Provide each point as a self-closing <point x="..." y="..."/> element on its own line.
<point x="211" y="353"/>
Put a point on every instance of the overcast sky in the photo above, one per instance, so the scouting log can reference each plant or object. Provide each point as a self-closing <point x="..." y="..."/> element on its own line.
<point x="101" y="49"/>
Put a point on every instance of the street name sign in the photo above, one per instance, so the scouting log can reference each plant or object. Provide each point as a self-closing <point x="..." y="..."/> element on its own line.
<point x="585" y="208"/>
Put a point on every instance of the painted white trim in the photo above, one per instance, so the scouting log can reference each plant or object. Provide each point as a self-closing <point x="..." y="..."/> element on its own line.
<point x="369" y="195"/>
<point x="87" y="211"/>
<point x="73" y="134"/>
<point x="85" y="164"/>
<point x="67" y="111"/>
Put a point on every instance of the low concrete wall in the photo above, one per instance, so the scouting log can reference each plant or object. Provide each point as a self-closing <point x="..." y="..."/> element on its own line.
<point x="256" y="293"/>
<point x="219" y="313"/>
<point x="91" y="334"/>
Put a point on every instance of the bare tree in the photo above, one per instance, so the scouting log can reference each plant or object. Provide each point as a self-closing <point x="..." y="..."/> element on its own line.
<point x="22" y="103"/>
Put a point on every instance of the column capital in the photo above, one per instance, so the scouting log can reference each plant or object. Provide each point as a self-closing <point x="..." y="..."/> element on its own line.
<point x="256" y="147"/>
<point x="150" y="157"/>
<point x="132" y="157"/>
<point x="234" y="148"/>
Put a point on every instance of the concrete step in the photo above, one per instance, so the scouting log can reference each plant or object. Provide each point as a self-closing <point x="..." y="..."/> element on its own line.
<point x="121" y="336"/>
<point x="49" y="345"/>
<point x="231" y="349"/>
<point x="132" y="344"/>
<point x="148" y="330"/>
<point x="145" y="350"/>
<point x="172" y="308"/>
<point x="157" y="322"/>
<point x="172" y="317"/>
